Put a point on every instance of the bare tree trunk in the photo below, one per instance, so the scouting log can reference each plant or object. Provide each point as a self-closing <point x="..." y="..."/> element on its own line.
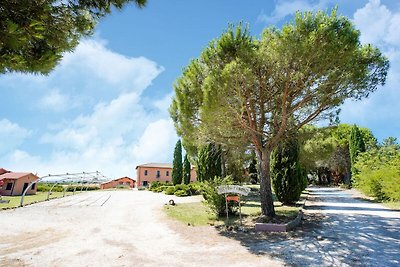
<point x="267" y="202"/>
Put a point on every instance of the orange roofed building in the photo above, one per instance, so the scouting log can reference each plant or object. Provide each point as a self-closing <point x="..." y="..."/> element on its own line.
<point x="14" y="183"/>
<point x="123" y="181"/>
<point x="157" y="172"/>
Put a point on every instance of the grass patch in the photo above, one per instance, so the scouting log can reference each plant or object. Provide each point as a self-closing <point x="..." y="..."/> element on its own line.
<point x="395" y="205"/>
<point x="198" y="214"/>
<point x="38" y="197"/>
<point x="195" y="214"/>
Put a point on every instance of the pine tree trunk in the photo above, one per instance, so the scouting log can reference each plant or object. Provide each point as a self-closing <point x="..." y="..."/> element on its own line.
<point x="267" y="202"/>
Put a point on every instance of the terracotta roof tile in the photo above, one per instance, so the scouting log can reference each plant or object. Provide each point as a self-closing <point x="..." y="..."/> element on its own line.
<point x="14" y="175"/>
<point x="156" y="165"/>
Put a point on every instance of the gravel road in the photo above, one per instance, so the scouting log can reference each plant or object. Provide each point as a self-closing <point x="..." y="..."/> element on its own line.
<point x="339" y="230"/>
<point x="114" y="228"/>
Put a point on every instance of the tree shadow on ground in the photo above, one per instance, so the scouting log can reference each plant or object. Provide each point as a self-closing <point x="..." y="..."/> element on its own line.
<point x="331" y="239"/>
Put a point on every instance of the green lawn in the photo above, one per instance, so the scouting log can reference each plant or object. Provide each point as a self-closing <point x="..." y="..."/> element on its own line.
<point x="198" y="214"/>
<point x="40" y="196"/>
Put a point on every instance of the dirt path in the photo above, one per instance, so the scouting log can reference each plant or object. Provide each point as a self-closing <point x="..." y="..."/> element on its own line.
<point x="113" y="228"/>
<point x="339" y="230"/>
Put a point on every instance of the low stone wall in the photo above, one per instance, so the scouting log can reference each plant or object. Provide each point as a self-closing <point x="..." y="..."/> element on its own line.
<point x="275" y="227"/>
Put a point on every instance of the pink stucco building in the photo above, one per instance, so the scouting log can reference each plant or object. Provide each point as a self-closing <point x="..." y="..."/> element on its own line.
<point x="161" y="172"/>
<point x="14" y="183"/>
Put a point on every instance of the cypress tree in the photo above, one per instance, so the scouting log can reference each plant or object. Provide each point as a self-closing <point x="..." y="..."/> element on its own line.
<point x="177" y="164"/>
<point x="288" y="180"/>
<point x="186" y="170"/>
<point x="253" y="174"/>
<point x="209" y="162"/>
<point x="356" y="145"/>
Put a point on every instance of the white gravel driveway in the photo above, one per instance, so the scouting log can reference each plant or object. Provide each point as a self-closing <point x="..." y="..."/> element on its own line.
<point x="339" y="230"/>
<point x="114" y="228"/>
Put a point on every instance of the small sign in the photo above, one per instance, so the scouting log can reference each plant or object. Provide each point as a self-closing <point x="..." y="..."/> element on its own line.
<point x="233" y="189"/>
<point x="233" y="198"/>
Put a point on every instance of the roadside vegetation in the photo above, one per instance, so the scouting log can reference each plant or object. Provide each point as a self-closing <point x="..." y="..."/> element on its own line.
<point x="14" y="201"/>
<point x="204" y="213"/>
<point x="377" y="172"/>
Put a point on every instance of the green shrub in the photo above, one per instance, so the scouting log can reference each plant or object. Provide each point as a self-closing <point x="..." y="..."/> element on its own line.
<point x="141" y="188"/>
<point x="215" y="201"/>
<point x="378" y="173"/>
<point x="195" y="188"/>
<point x="170" y="190"/>
<point x="288" y="179"/>
<point x="45" y="187"/>
<point x="154" y="186"/>
<point x="181" y="193"/>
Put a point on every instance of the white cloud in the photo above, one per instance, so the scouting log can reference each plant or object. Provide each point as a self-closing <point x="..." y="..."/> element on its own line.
<point x="111" y="129"/>
<point x="56" y="101"/>
<point x="11" y="135"/>
<point x="156" y="143"/>
<point x="379" y="25"/>
<point x="285" y="8"/>
<point x="122" y="73"/>
<point x="164" y="103"/>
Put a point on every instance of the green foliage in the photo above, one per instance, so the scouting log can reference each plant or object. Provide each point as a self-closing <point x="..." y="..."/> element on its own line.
<point x="241" y="90"/>
<point x="195" y="188"/>
<point x="327" y="148"/>
<point x="177" y="167"/>
<point x="215" y="201"/>
<point x="288" y="179"/>
<point x="45" y="187"/>
<point x="378" y="173"/>
<point x="356" y="145"/>
<point x="208" y="162"/>
<point x="186" y="170"/>
<point x="170" y="190"/>
<point x="36" y="34"/>
<point x="253" y="174"/>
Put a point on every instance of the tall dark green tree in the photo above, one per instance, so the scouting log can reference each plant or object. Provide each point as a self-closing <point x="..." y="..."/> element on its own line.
<point x="186" y="170"/>
<point x="209" y="162"/>
<point x="356" y="145"/>
<point x="34" y="34"/>
<point x="253" y="174"/>
<point x="245" y="90"/>
<point x="287" y="177"/>
<point x="177" y="167"/>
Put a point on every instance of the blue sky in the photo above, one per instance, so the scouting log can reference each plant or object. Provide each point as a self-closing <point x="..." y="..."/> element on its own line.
<point x="105" y="106"/>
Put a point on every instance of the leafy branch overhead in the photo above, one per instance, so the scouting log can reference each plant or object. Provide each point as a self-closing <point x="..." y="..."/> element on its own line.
<point x="36" y="34"/>
<point x="243" y="89"/>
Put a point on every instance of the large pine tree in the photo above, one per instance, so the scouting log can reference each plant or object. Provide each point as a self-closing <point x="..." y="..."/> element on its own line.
<point x="177" y="164"/>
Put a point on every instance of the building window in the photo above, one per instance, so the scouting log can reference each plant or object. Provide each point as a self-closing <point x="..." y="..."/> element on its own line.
<point x="145" y="183"/>
<point x="33" y="186"/>
<point x="167" y="173"/>
<point x="145" y="172"/>
<point x="9" y="186"/>
<point x="158" y="174"/>
<point x="121" y="183"/>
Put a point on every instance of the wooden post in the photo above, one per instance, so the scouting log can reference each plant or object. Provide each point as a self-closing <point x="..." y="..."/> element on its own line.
<point x="240" y="212"/>
<point x="227" y="211"/>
